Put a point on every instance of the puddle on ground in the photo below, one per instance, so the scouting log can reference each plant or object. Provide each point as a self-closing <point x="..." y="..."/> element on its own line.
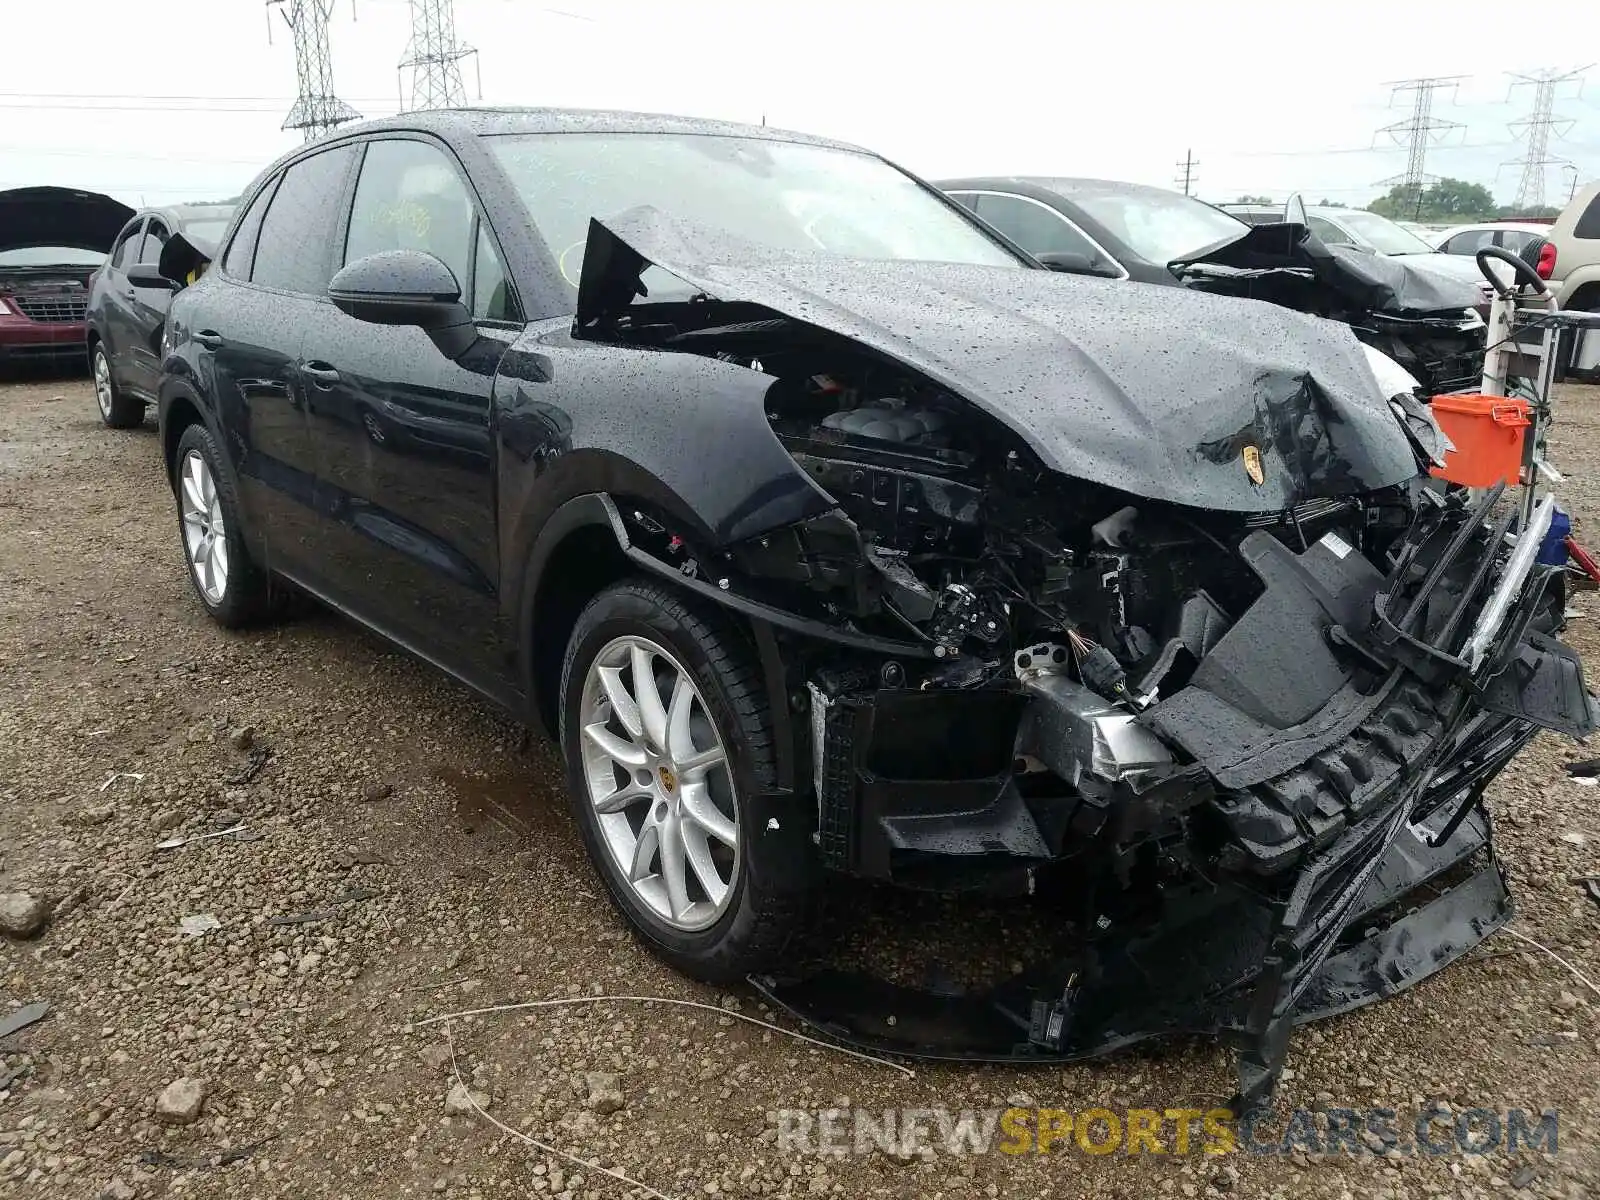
<point x="520" y="802"/>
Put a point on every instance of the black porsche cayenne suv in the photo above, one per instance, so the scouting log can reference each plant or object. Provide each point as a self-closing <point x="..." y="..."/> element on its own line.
<point x="827" y="531"/>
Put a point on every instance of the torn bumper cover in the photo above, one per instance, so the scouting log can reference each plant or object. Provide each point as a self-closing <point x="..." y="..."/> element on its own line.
<point x="1326" y="762"/>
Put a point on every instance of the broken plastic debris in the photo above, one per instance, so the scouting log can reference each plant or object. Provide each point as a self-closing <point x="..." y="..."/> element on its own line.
<point x="136" y="776"/>
<point x="172" y="843"/>
<point x="21" y="1018"/>
<point x="199" y="924"/>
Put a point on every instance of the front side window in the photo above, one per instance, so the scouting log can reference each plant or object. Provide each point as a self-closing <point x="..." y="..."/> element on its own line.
<point x="155" y="237"/>
<point x="1328" y="233"/>
<point x="409" y="197"/>
<point x="126" y="251"/>
<point x="294" y="250"/>
<point x="1159" y="226"/>
<point x="1469" y="242"/>
<point x="1033" y="226"/>
<point x="1382" y="234"/>
<point x="780" y="194"/>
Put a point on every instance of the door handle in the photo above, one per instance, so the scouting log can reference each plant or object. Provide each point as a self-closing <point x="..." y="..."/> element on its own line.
<point x="320" y="374"/>
<point x="209" y="338"/>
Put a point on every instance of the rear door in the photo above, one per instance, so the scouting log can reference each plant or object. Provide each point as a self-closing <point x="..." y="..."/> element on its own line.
<point x="403" y="433"/>
<point x="275" y="276"/>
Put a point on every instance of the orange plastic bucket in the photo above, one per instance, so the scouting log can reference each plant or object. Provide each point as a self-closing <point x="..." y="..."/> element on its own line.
<point x="1488" y="433"/>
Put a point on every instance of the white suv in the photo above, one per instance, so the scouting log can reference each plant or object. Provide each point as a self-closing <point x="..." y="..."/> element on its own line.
<point x="1575" y="276"/>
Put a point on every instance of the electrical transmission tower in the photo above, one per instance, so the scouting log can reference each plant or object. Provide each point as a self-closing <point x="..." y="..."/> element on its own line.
<point x="316" y="109"/>
<point x="1416" y="133"/>
<point x="1188" y="179"/>
<point x="434" y="58"/>
<point x="1537" y="126"/>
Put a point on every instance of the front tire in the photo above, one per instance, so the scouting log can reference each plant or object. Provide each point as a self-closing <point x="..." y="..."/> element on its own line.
<point x="233" y="588"/>
<point x="117" y="411"/>
<point x="669" y="752"/>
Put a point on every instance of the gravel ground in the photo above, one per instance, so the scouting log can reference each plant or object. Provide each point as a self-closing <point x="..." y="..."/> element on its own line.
<point x="405" y="853"/>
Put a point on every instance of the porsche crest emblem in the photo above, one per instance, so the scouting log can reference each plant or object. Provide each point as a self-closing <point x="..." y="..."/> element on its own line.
<point x="1252" y="465"/>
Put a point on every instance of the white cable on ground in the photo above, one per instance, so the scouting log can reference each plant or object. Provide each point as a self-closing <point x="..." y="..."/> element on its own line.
<point x="711" y="1008"/>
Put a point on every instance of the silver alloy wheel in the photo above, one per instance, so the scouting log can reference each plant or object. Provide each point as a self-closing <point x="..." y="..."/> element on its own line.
<point x="204" y="534"/>
<point x="102" y="383"/>
<point x="659" y="779"/>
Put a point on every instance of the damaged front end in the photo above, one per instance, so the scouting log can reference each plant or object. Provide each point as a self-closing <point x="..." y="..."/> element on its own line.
<point x="1231" y="680"/>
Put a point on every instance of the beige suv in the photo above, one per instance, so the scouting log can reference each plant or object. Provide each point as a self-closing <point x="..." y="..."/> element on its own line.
<point x="1576" y="236"/>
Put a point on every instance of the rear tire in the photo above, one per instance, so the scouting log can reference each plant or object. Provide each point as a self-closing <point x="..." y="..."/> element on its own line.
<point x="639" y="784"/>
<point x="117" y="410"/>
<point x="236" y="591"/>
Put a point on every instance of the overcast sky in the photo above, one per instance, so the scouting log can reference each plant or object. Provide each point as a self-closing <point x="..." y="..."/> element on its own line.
<point x="174" y="100"/>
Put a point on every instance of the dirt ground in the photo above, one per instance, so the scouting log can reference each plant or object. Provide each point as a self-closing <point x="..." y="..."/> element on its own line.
<point x="402" y="854"/>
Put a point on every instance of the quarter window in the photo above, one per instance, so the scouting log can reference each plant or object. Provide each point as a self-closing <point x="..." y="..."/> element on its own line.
<point x="294" y="247"/>
<point x="410" y="197"/>
<point x="1588" y="225"/>
<point x="242" y="249"/>
<point x="491" y="293"/>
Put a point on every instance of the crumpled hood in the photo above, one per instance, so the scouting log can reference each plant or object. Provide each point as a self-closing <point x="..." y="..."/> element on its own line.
<point x="57" y="216"/>
<point x="1409" y="283"/>
<point x="1160" y="392"/>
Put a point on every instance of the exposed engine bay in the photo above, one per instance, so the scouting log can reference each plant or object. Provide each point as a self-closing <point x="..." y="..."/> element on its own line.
<point x="1243" y="734"/>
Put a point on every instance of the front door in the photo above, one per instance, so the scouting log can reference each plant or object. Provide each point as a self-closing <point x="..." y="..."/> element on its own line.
<point x="404" y="434"/>
<point x="148" y="316"/>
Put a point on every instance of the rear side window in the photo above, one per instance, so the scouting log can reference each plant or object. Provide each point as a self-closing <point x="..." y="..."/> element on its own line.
<point x="294" y="250"/>
<point x="242" y="250"/>
<point x="1588" y="225"/>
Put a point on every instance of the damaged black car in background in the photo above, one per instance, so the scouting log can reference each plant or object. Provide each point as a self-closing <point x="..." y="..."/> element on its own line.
<point x="826" y="533"/>
<point x="1426" y="312"/>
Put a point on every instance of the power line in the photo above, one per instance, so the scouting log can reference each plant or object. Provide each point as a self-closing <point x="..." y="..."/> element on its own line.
<point x="1538" y="124"/>
<point x="316" y="110"/>
<point x="1418" y="130"/>
<point x="1188" y="178"/>
<point x="435" y="58"/>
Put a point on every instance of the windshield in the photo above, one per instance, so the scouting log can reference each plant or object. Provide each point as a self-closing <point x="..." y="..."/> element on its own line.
<point x="51" y="256"/>
<point x="780" y="194"/>
<point x="1159" y="226"/>
<point x="1382" y="234"/>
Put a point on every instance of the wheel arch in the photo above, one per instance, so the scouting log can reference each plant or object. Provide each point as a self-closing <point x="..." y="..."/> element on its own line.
<point x="584" y="548"/>
<point x="179" y="407"/>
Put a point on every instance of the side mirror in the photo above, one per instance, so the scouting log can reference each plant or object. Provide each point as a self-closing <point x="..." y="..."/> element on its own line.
<point x="1072" y="263"/>
<point x="148" y="275"/>
<point x="406" y="287"/>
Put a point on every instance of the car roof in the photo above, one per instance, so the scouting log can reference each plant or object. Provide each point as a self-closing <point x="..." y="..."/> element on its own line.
<point x="1063" y="185"/>
<point x="187" y="214"/>
<point x="512" y="120"/>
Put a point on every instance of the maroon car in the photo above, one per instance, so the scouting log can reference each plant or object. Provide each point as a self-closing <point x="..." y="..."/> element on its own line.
<point x="52" y="240"/>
